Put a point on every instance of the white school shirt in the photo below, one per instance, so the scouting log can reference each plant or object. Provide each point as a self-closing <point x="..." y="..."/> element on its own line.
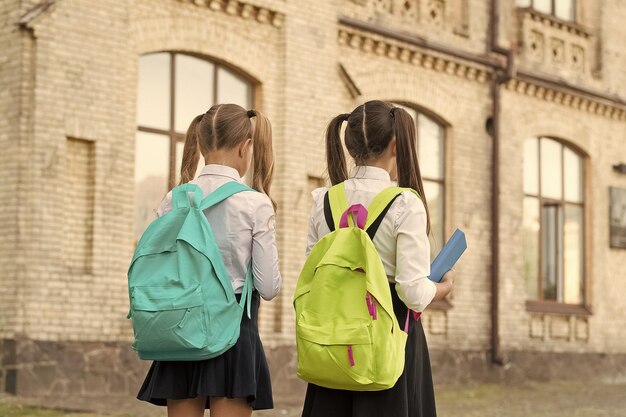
<point x="244" y="229"/>
<point x="401" y="239"/>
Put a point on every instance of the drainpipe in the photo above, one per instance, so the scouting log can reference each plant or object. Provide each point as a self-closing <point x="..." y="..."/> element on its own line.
<point x="499" y="79"/>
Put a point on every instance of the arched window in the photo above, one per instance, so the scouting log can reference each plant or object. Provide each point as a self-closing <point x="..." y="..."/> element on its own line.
<point x="172" y="89"/>
<point x="553" y="223"/>
<point x="430" y="152"/>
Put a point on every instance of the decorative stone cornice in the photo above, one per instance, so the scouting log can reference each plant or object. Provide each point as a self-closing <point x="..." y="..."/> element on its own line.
<point x="242" y="9"/>
<point x="395" y="50"/>
<point x="566" y="99"/>
<point x="554" y="22"/>
<point x="376" y="44"/>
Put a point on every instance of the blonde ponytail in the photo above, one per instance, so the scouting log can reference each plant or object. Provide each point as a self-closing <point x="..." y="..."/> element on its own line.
<point x="262" y="154"/>
<point x="191" y="152"/>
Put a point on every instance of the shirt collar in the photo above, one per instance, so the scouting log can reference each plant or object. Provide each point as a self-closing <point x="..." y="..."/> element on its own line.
<point x="221" y="170"/>
<point x="369" y="172"/>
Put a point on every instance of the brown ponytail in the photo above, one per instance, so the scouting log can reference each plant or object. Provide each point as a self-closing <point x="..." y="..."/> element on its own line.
<point x="191" y="152"/>
<point x="335" y="158"/>
<point x="409" y="174"/>
<point x="262" y="154"/>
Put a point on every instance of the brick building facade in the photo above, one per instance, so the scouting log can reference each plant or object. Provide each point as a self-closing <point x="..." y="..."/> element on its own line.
<point x="530" y="109"/>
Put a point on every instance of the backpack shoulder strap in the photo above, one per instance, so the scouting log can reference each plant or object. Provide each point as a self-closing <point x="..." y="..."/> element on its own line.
<point x="338" y="202"/>
<point x="180" y="196"/>
<point x="379" y="207"/>
<point x="328" y="214"/>
<point x="376" y="222"/>
<point x="222" y="193"/>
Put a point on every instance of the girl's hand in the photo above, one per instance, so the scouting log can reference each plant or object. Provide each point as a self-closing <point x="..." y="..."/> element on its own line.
<point x="445" y="285"/>
<point x="448" y="277"/>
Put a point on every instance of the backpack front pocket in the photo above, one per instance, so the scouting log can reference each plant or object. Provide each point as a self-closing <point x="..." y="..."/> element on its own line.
<point x="335" y="355"/>
<point x="168" y="319"/>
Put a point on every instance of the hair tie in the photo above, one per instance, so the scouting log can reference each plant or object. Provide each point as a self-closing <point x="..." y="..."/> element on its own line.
<point x="392" y="112"/>
<point x="345" y="116"/>
<point x="251" y="113"/>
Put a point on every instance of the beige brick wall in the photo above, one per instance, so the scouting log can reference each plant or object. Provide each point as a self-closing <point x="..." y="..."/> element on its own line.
<point x="80" y="92"/>
<point x="85" y="54"/>
<point x="78" y="202"/>
<point x="311" y="85"/>
<point x="611" y="35"/>
<point x="10" y="75"/>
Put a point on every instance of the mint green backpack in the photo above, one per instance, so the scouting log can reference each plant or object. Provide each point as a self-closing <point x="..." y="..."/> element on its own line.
<point x="182" y="301"/>
<point x="347" y="335"/>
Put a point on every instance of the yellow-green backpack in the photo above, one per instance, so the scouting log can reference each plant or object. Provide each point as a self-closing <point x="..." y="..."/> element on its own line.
<point x="347" y="334"/>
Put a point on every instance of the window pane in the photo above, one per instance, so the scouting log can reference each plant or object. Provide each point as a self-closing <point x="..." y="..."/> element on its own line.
<point x="543" y="6"/>
<point x="531" y="166"/>
<point x="152" y="166"/>
<point x="430" y="147"/>
<point x="232" y="89"/>
<point x="523" y="3"/>
<point x="180" y="146"/>
<point x="573" y="176"/>
<point x="153" y="91"/>
<point x="565" y="9"/>
<point x="573" y="260"/>
<point x="194" y="89"/>
<point x="551" y="232"/>
<point x="530" y="230"/>
<point x="551" y="169"/>
<point x="434" y="194"/>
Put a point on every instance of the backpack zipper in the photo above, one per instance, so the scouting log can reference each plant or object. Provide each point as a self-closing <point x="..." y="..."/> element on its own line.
<point x="371" y="305"/>
<point x="350" y="355"/>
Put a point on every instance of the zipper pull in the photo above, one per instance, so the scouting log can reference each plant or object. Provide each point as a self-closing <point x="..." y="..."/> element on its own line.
<point x="371" y="305"/>
<point x="374" y="312"/>
<point x="350" y="355"/>
<point x="184" y="319"/>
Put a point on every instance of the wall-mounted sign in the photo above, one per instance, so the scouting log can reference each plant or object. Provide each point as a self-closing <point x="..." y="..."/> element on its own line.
<point x="618" y="217"/>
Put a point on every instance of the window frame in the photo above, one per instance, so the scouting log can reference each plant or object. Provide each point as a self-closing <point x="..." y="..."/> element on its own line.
<point x="174" y="136"/>
<point x="542" y="305"/>
<point x="553" y="10"/>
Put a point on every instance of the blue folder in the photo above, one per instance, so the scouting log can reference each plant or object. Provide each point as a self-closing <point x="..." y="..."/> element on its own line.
<point x="448" y="256"/>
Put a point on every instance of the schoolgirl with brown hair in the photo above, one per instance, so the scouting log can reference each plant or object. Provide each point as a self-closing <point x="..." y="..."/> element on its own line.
<point x="230" y="139"/>
<point x="382" y="141"/>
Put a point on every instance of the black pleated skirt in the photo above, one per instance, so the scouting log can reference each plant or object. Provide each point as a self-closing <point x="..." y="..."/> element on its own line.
<point x="240" y="372"/>
<point x="412" y="396"/>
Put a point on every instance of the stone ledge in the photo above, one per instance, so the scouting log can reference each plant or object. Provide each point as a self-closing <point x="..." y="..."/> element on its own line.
<point x="566" y="99"/>
<point x="554" y="22"/>
<point x="242" y="9"/>
<point x="396" y="50"/>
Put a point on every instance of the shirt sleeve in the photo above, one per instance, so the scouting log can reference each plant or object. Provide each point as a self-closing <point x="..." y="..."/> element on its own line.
<point x="413" y="255"/>
<point x="317" y="213"/>
<point x="267" y="279"/>
<point x="166" y="205"/>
